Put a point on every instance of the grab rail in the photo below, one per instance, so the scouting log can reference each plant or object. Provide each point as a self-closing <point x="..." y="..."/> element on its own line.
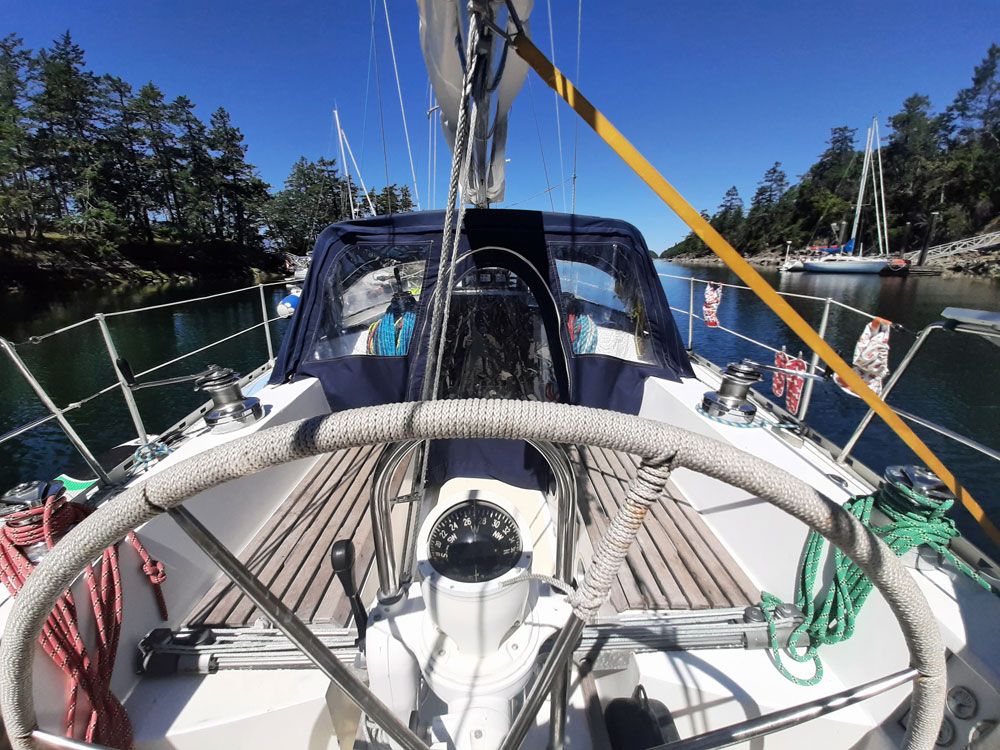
<point x="58" y="414"/>
<point x="824" y="321"/>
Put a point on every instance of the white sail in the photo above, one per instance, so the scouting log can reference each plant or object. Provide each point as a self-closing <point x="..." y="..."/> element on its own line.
<point x="443" y="25"/>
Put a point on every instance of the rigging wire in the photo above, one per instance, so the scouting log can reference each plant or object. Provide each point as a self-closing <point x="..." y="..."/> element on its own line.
<point x="536" y="195"/>
<point x="381" y="117"/>
<point x="885" y="216"/>
<point x="562" y="169"/>
<point x="322" y="183"/>
<point x="847" y="169"/>
<point x="368" y="87"/>
<point x="576" y="120"/>
<point x="347" y="171"/>
<point x="878" y="217"/>
<point x="434" y="178"/>
<point x="545" y="169"/>
<point x="402" y="111"/>
<point x="430" y="137"/>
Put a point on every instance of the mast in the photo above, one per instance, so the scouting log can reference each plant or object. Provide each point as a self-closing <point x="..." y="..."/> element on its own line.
<point x="340" y="140"/>
<point x="878" y="218"/>
<point x="861" y="189"/>
<point x="885" y="216"/>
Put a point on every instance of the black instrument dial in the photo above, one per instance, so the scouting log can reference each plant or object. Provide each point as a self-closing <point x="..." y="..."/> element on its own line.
<point x="474" y="542"/>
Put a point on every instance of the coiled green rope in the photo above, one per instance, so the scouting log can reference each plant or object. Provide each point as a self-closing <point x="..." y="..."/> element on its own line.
<point x="831" y="616"/>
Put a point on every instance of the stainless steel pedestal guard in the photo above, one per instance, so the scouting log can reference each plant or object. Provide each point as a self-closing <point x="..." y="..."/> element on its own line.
<point x="658" y="444"/>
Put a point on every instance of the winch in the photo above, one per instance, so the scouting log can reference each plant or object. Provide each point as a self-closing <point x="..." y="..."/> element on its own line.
<point x="233" y="410"/>
<point x="730" y="401"/>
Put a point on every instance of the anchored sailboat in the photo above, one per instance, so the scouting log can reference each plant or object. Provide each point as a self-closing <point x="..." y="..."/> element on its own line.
<point x="845" y="261"/>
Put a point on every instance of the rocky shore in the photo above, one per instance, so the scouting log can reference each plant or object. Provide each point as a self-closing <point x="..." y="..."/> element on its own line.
<point x="980" y="263"/>
<point x="70" y="263"/>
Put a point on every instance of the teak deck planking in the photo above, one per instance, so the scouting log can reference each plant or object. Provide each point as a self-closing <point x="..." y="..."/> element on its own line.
<point x="677" y="562"/>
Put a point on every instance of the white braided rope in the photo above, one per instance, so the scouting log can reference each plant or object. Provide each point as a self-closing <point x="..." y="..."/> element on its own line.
<point x="642" y="492"/>
<point x="661" y="447"/>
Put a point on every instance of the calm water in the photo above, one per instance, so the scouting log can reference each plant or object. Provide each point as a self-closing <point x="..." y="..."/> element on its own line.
<point x="955" y="381"/>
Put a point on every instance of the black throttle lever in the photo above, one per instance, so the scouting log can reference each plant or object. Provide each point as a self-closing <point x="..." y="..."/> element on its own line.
<point x="342" y="561"/>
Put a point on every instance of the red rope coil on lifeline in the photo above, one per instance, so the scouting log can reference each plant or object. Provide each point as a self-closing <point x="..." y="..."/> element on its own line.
<point x="108" y="723"/>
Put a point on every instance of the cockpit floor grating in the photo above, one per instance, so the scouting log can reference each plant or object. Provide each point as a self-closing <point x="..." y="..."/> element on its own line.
<point x="677" y="561"/>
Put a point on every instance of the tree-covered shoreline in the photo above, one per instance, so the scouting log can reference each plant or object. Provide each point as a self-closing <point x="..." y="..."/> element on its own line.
<point x="941" y="174"/>
<point x="89" y="164"/>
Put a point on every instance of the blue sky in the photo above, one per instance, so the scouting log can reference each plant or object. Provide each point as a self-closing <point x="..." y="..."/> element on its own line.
<point x="712" y="93"/>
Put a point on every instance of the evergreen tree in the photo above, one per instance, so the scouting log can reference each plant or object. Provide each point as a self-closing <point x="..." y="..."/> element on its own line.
<point x="972" y="180"/>
<point x="65" y="108"/>
<point x="163" y="158"/>
<point x="313" y="197"/>
<point x="18" y="188"/>
<point x="121" y="179"/>
<point x="913" y="161"/>
<point x="765" y="220"/>
<point x="390" y="199"/>
<point x="239" y="193"/>
<point x="197" y="175"/>
<point x="728" y="220"/>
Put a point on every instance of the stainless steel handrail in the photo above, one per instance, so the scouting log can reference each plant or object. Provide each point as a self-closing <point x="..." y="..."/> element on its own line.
<point x="380" y="508"/>
<point x="67" y="428"/>
<point x="203" y="348"/>
<point x="894" y="378"/>
<point x="28" y="426"/>
<point x="985" y="450"/>
<point x="390" y="583"/>
<point x="794" y="295"/>
<point x="189" y="301"/>
<point x="297" y="631"/>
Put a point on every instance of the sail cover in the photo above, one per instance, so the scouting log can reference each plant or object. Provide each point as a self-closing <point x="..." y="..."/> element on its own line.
<point x="443" y="28"/>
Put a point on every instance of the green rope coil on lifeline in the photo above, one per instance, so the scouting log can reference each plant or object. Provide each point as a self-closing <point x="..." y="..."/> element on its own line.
<point x="831" y="616"/>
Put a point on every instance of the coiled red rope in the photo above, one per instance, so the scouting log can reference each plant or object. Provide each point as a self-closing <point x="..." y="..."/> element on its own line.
<point x="108" y="723"/>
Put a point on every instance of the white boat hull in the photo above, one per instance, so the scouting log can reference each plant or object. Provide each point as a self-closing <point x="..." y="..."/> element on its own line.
<point x="845" y="265"/>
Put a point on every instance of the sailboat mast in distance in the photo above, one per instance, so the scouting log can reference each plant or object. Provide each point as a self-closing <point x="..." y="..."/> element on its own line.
<point x="861" y="189"/>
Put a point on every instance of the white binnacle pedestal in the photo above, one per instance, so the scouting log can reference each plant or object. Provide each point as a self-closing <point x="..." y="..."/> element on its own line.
<point x="475" y="644"/>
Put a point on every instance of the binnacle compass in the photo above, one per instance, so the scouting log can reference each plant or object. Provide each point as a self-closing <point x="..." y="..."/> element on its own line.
<point x="474" y="542"/>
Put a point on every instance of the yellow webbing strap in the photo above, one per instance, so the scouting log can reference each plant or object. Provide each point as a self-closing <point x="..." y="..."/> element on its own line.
<point x="610" y="134"/>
